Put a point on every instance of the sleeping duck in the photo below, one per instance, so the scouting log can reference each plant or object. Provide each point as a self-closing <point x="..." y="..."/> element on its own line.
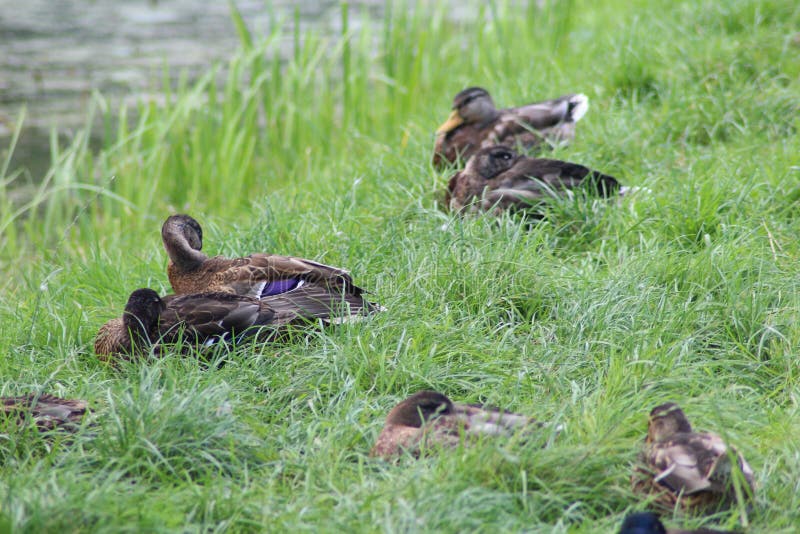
<point x="649" y="523"/>
<point x="47" y="412"/>
<point x="428" y="418"/>
<point x="257" y="275"/>
<point x="204" y="319"/>
<point x="688" y="469"/>
<point x="476" y="123"/>
<point x="498" y="178"/>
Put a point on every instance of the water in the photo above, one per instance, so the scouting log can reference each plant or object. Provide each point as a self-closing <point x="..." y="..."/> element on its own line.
<point x="55" y="53"/>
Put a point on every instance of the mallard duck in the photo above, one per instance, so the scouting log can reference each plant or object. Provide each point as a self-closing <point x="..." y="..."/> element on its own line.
<point x="476" y="123"/>
<point x="649" y="523"/>
<point x="208" y="318"/>
<point x="429" y="418"/>
<point x="257" y="275"/>
<point x="497" y="178"/>
<point x="680" y="467"/>
<point x="47" y="412"/>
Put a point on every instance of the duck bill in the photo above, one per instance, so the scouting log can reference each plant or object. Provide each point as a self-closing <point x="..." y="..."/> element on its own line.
<point x="452" y="122"/>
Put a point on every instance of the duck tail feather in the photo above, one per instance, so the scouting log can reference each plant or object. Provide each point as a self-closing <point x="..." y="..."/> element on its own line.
<point x="578" y="106"/>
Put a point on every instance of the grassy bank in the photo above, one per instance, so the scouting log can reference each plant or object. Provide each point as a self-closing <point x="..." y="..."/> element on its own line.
<point x="590" y="319"/>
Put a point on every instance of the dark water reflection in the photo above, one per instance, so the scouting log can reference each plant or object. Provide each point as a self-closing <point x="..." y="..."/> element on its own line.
<point x="55" y="53"/>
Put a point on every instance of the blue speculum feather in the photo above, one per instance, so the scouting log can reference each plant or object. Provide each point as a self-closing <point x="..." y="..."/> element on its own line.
<point x="280" y="286"/>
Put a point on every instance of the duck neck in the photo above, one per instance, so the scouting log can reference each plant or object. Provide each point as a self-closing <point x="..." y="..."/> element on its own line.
<point x="138" y="331"/>
<point x="180" y="252"/>
<point x="489" y="116"/>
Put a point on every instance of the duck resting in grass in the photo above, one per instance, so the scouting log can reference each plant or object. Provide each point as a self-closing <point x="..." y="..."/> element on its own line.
<point x="47" y="412"/>
<point x="686" y="469"/>
<point x="476" y="123"/>
<point x="205" y="319"/>
<point x="498" y="178"/>
<point x="257" y="275"/>
<point x="649" y="523"/>
<point x="427" y="419"/>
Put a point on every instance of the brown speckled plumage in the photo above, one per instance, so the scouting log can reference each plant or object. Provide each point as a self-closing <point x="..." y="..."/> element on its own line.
<point x="429" y="418"/>
<point x="47" y="412"/>
<point x="475" y="123"/>
<point x="498" y="178"/>
<point x="191" y="271"/>
<point x="682" y="468"/>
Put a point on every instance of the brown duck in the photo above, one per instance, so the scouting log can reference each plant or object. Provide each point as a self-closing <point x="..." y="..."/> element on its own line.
<point x="429" y="418"/>
<point x="684" y="468"/>
<point x="649" y="523"/>
<point x="476" y="123"/>
<point x="204" y="319"/>
<point x="257" y="275"/>
<point x="497" y="178"/>
<point x="47" y="412"/>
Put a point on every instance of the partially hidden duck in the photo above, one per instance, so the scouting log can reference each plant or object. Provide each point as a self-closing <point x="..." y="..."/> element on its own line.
<point x="47" y="412"/>
<point x="429" y="419"/>
<point x="204" y="319"/>
<point x="476" y="123"/>
<point x="682" y="468"/>
<point x="498" y="179"/>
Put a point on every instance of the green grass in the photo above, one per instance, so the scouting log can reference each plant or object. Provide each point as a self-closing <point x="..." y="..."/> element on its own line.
<point x="690" y="293"/>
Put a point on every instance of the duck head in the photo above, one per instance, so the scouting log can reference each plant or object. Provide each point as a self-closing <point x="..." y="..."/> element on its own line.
<point x="492" y="161"/>
<point x="183" y="241"/>
<point x="642" y="523"/>
<point x="666" y="420"/>
<point x="419" y="408"/>
<point x="141" y="315"/>
<point x="470" y="106"/>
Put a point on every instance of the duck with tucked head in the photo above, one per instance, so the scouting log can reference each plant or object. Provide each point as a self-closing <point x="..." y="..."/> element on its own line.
<point x="257" y="275"/>
<point x="688" y="469"/>
<point x="476" y="123"/>
<point x="498" y="178"/>
<point x="204" y="319"/>
<point x="649" y="523"/>
<point x="429" y="418"/>
<point x="47" y="412"/>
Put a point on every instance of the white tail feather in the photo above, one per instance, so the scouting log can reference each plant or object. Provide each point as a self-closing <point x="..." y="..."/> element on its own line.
<point x="580" y="105"/>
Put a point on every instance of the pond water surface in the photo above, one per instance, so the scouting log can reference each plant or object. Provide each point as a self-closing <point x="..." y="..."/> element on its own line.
<point x="55" y="53"/>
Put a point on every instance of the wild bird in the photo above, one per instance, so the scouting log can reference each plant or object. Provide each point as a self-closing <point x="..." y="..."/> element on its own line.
<point x="428" y="418"/>
<point x="686" y="469"/>
<point x="498" y="178"/>
<point x="476" y="123"/>
<point x="205" y="319"/>
<point x="649" y="523"/>
<point x="257" y="275"/>
<point x="47" y="412"/>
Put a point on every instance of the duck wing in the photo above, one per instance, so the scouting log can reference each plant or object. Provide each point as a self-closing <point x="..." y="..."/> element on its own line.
<point x="532" y="179"/>
<point x="483" y="420"/>
<point x="530" y="125"/>
<point x="262" y="275"/>
<point x="684" y="463"/>
<point x="309" y="302"/>
<point x="200" y="317"/>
